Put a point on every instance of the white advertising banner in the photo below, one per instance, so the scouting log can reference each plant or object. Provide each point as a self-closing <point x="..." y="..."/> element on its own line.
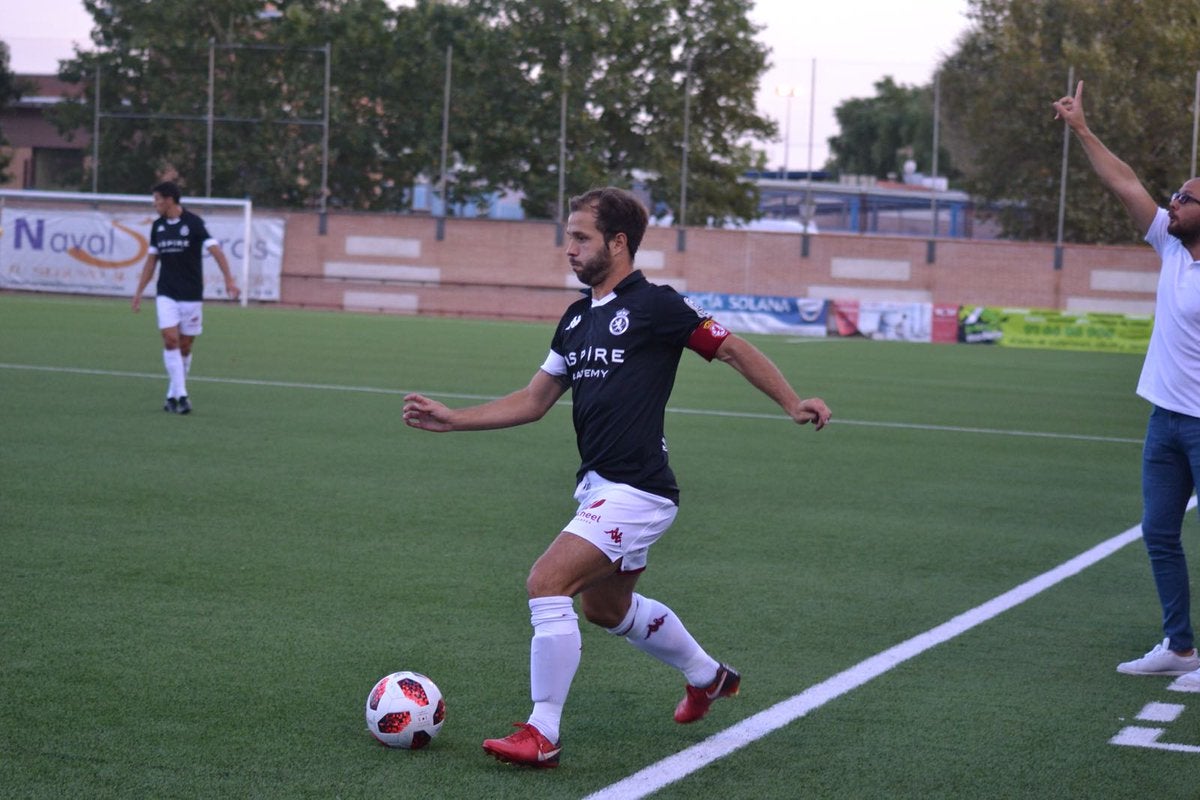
<point x="102" y="252"/>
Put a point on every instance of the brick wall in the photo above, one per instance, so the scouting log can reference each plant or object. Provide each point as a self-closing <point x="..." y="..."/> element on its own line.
<point x="396" y="264"/>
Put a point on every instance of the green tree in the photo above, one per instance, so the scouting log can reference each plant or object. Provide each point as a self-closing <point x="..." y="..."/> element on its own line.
<point x="10" y="90"/>
<point x="624" y="66"/>
<point x="1138" y="88"/>
<point x="879" y="134"/>
<point x="622" y="63"/>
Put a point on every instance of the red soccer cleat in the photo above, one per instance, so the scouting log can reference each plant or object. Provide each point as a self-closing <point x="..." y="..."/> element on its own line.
<point x="527" y="748"/>
<point x="696" y="701"/>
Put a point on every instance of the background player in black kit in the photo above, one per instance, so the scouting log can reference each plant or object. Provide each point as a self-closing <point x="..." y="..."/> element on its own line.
<point x="617" y="349"/>
<point x="178" y="238"/>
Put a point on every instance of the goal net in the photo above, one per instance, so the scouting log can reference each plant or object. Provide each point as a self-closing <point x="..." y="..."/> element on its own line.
<point x="83" y="243"/>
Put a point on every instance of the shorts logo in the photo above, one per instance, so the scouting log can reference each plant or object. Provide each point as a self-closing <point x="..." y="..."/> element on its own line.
<point x="615" y="535"/>
<point x="620" y="323"/>
<point x="585" y="514"/>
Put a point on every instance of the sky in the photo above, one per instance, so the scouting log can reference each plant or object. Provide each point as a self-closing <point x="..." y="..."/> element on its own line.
<point x="848" y="45"/>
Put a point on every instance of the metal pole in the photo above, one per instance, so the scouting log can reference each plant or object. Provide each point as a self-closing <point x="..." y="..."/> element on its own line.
<point x="931" y="250"/>
<point x="808" y="207"/>
<point x="247" y="241"/>
<point x="322" y="227"/>
<point x="441" y="218"/>
<point x="1195" y="123"/>
<point x="559" y="235"/>
<point x="209" y="136"/>
<point x="681" y="236"/>
<point x="1062" y="183"/>
<point x="96" y="135"/>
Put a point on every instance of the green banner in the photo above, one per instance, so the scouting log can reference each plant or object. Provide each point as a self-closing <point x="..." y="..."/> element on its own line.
<point x="1054" y="330"/>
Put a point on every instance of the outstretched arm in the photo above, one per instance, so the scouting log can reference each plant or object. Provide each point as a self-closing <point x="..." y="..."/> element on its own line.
<point x="763" y="375"/>
<point x="524" y="405"/>
<point x="1117" y="176"/>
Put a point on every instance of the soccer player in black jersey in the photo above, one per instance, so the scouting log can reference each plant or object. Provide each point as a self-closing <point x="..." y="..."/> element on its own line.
<point x="178" y="238"/>
<point x="617" y="350"/>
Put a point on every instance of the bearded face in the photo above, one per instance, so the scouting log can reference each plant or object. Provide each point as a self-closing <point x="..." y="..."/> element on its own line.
<point x="595" y="269"/>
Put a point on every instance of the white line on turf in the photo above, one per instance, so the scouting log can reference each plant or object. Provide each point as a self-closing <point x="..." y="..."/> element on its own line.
<point x="673" y="410"/>
<point x="680" y="765"/>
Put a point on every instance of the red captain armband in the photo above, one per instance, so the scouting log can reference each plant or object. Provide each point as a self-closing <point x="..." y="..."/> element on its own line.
<point x="707" y="338"/>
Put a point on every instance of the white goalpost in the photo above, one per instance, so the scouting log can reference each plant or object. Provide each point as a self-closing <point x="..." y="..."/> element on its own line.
<point x="85" y="243"/>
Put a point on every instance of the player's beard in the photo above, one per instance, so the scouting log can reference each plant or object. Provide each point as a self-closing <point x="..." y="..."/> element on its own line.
<point x="593" y="271"/>
<point x="1187" y="234"/>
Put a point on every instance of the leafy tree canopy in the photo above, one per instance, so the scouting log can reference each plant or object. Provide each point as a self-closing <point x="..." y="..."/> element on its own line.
<point x="1136" y="58"/>
<point x="622" y="65"/>
<point x="10" y="90"/>
<point x="879" y="134"/>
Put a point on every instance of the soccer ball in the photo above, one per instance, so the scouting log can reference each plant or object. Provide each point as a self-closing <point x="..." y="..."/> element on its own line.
<point x="405" y="709"/>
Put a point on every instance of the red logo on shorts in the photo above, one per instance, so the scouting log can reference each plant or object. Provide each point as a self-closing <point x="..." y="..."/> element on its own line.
<point x="615" y="535"/>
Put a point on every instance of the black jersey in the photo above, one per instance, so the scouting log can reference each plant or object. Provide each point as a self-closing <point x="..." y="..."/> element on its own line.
<point x="180" y="248"/>
<point x="620" y="360"/>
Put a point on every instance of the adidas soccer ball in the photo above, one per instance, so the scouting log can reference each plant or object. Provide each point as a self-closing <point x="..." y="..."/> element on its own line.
<point x="405" y="709"/>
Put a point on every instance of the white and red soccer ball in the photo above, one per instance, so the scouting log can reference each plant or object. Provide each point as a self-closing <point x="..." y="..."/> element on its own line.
<point x="405" y="709"/>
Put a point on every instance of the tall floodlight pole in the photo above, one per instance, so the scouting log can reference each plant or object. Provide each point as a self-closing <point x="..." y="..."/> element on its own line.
<point x="789" y="92"/>
<point x="322" y="225"/>
<point x="562" y="156"/>
<point x="96" y="134"/>
<point x="931" y="249"/>
<point x="208" y="133"/>
<point x="1062" y="181"/>
<point x="441" y="219"/>
<point x="808" y="198"/>
<point x="1195" y="123"/>
<point x="681" y="234"/>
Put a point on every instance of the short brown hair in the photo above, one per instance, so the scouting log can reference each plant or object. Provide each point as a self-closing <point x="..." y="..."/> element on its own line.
<point x="617" y="211"/>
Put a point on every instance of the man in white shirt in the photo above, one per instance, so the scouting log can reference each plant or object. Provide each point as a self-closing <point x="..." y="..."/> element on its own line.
<point x="1170" y="381"/>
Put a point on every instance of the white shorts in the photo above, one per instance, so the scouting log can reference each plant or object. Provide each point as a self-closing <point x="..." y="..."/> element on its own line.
<point x="621" y="521"/>
<point x="188" y="315"/>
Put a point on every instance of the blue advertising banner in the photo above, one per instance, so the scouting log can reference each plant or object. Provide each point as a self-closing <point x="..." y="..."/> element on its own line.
<point x="752" y="313"/>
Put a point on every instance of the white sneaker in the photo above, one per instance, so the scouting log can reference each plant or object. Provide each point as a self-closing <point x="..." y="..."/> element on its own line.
<point x="1161" y="661"/>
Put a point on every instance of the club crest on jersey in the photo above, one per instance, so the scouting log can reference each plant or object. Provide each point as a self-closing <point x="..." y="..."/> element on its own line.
<point x="183" y="230"/>
<point x="620" y="323"/>
<point x="572" y="323"/>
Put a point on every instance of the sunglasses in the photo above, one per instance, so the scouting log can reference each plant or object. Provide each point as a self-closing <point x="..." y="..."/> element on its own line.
<point x="1183" y="198"/>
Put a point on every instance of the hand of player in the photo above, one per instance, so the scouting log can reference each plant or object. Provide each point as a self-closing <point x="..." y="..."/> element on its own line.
<point x="814" y="410"/>
<point x="428" y="415"/>
<point x="1070" y="108"/>
<point x="136" y="303"/>
<point x="232" y="290"/>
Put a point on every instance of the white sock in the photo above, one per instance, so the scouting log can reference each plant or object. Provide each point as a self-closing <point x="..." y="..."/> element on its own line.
<point x="173" y="361"/>
<point x="187" y="364"/>
<point x="553" y="659"/>
<point x="654" y="629"/>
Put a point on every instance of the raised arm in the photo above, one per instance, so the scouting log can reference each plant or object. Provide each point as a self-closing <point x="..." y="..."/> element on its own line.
<point x="763" y="375"/>
<point x="1117" y="176"/>
<point x="524" y="405"/>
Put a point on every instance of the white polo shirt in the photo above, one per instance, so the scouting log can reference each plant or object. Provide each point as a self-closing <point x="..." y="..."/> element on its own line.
<point x="1171" y="373"/>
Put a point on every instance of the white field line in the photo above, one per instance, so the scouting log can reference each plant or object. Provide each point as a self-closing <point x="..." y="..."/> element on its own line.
<point x="721" y="744"/>
<point x="673" y="410"/>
